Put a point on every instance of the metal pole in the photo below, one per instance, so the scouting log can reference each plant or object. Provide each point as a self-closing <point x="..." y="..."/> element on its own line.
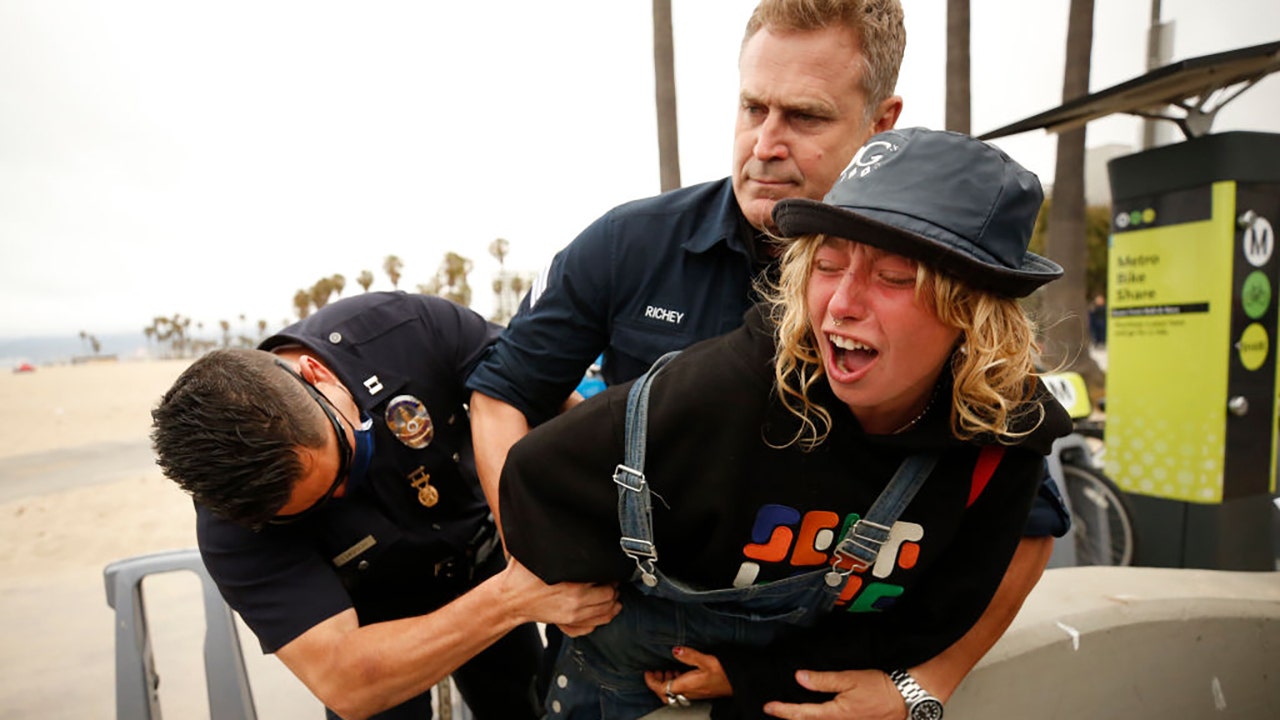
<point x="1157" y="55"/>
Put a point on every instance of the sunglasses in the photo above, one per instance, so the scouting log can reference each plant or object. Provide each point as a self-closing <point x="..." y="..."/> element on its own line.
<point x="344" y="450"/>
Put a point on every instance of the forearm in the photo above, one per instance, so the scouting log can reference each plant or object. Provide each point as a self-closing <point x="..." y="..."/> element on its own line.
<point x="495" y="427"/>
<point x="942" y="674"/>
<point x="360" y="671"/>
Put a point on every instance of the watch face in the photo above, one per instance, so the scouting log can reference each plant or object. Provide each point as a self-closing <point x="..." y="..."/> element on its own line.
<point x="927" y="709"/>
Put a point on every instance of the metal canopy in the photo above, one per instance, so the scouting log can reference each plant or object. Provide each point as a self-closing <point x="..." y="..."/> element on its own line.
<point x="1198" y="86"/>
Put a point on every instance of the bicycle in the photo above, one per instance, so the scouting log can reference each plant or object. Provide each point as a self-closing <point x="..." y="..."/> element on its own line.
<point x="1101" y="519"/>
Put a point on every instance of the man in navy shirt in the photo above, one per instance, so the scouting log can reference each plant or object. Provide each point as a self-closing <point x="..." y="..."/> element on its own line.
<point x="338" y="510"/>
<point x="658" y="274"/>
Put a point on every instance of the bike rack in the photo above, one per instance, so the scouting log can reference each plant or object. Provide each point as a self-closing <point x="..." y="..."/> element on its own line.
<point x="1064" y="551"/>
<point x="226" y="679"/>
<point x="137" y="683"/>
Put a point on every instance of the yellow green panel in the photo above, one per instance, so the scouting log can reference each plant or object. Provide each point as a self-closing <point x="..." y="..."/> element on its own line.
<point x="1168" y="346"/>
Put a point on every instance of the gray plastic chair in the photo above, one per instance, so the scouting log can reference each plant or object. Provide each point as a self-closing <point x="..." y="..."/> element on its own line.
<point x="137" y="683"/>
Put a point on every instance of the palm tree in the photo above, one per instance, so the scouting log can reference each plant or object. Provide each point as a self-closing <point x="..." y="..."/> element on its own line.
<point x="179" y="334"/>
<point x="160" y="330"/>
<point x="321" y="291"/>
<point x="958" y="93"/>
<point x="451" y="280"/>
<point x="302" y="303"/>
<point x="392" y="266"/>
<point x="364" y="279"/>
<point x="507" y="285"/>
<point x="664" y="84"/>
<point x="499" y="249"/>
<point x="1067" y="331"/>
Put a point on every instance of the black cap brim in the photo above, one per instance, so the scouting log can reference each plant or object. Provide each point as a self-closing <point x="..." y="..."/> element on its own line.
<point x="930" y="244"/>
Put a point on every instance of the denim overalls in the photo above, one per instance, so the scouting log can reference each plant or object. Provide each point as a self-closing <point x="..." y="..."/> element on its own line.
<point x="600" y="676"/>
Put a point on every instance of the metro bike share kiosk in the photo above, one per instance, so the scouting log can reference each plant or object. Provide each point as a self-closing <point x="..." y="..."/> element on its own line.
<point x="1193" y="286"/>
<point x="1193" y="283"/>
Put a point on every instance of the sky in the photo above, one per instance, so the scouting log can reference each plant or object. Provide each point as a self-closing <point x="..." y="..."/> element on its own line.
<point x="211" y="159"/>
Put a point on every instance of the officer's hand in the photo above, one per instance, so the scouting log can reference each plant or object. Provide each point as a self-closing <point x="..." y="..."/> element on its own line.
<point x="578" y="608"/>
<point x="860" y="693"/>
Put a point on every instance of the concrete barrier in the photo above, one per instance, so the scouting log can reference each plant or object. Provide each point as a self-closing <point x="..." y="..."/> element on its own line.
<point x="1130" y="643"/>
<point x="1135" y="643"/>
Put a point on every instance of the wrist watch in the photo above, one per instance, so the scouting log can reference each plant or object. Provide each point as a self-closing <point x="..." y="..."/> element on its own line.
<point x="920" y="704"/>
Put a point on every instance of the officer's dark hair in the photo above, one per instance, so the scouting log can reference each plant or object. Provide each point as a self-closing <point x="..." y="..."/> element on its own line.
<point x="228" y="430"/>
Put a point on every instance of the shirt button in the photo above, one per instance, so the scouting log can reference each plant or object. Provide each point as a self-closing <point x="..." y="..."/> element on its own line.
<point x="451" y="419"/>
<point x="335" y="337"/>
<point x="562" y="681"/>
<point x="363" y="565"/>
<point x="456" y="457"/>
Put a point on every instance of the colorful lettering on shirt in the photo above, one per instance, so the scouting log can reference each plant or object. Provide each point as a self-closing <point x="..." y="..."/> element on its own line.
<point x="771" y="534"/>
<point x="782" y="534"/>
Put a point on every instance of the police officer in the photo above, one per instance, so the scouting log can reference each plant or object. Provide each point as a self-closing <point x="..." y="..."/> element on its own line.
<point x="339" y="512"/>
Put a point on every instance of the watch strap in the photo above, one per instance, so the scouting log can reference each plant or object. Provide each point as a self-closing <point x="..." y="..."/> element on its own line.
<point x="913" y="694"/>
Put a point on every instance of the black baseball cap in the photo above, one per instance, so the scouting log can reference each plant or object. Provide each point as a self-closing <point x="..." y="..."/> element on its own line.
<point x="942" y="198"/>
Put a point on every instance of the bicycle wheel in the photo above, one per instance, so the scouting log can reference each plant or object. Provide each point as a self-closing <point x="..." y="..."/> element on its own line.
<point x="1102" y="523"/>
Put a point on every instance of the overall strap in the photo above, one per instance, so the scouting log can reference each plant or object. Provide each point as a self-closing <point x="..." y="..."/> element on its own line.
<point x="635" y="505"/>
<point x="860" y="546"/>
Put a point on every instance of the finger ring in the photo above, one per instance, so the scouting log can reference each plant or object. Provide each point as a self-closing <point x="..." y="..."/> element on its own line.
<point x="671" y="697"/>
<point x="681" y="700"/>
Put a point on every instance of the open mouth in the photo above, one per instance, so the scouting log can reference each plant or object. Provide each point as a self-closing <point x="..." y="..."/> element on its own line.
<point x="850" y="356"/>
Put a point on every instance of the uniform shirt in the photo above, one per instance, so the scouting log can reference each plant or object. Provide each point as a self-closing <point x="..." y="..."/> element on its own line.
<point x="377" y="547"/>
<point x="648" y="277"/>
<point x="732" y="506"/>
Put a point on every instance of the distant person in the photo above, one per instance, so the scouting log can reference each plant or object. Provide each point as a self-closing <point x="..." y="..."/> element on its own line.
<point x="1098" y="321"/>
<point x="893" y="347"/>
<point x="338" y="510"/>
<point x="816" y="80"/>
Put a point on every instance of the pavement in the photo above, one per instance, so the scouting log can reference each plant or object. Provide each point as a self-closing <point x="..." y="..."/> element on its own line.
<point x="62" y="523"/>
<point x="42" y="473"/>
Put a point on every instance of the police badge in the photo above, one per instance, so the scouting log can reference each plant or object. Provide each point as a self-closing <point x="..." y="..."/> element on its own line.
<point x="408" y="420"/>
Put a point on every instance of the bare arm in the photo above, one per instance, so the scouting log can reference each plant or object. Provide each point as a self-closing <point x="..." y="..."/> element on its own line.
<point x="495" y="427"/>
<point x="942" y="674"/>
<point x="359" y="671"/>
<point x="870" y="694"/>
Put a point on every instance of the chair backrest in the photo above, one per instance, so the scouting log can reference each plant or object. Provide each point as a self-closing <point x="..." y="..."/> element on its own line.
<point x="137" y="683"/>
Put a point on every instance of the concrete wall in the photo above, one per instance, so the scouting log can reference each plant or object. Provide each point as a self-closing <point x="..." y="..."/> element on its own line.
<point x="1135" y="643"/>
<point x="1131" y="643"/>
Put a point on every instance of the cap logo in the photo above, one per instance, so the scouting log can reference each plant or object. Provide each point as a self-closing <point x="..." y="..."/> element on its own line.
<point x="865" y="161"/>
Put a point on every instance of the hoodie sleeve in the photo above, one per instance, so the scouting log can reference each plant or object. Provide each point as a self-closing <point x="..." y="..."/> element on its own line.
<point x="557" y="496"/>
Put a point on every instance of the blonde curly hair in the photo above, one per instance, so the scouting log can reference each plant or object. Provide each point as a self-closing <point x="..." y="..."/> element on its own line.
<point x="994" y="367"/>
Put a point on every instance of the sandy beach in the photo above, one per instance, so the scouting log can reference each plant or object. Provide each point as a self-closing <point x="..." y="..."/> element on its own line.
<point x="78" y="490"/>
